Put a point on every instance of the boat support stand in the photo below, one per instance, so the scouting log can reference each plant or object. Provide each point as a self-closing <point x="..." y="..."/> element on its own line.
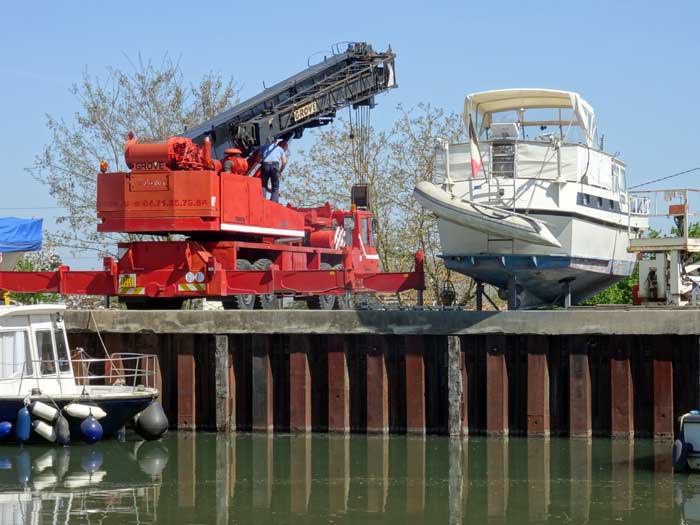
<point x="480" y="294"/>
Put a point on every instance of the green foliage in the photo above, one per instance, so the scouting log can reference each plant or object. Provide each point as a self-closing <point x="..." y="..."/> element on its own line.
<point x="618" y="293"/>
<point x="45" y="260"/>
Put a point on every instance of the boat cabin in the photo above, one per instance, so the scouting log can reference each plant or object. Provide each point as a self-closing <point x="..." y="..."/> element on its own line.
<point x="34" y="354"/>
<point x="34" y="351"/>
<point x="535" y="134"/>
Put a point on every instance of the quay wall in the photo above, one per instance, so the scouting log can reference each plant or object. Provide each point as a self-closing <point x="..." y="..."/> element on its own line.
<point x="577" y="372"/>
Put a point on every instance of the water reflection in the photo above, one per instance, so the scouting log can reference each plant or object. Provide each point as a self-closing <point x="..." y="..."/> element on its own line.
<point x="210" y="478"/>
<point x="68" y="485"/>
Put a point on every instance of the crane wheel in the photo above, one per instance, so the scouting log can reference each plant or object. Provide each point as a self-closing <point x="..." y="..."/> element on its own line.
<point x="266" y="301"/>
<point x="242" y="301"/>
<point x="322" y="302"/>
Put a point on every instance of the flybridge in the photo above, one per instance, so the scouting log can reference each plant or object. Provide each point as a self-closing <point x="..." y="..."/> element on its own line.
<point x="306" y="100"/>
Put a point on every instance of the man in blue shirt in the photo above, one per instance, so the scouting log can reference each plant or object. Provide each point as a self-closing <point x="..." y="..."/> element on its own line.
<point x="273" y="160"/>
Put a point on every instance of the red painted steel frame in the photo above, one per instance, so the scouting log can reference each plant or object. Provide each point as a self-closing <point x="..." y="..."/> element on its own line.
<point x="166" y="279"/>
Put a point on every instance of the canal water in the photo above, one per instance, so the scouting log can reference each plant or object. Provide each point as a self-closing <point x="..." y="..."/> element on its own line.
<point x="245" y="478"/>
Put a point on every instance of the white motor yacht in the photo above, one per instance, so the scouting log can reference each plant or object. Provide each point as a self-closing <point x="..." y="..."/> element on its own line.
<point x="545" y="216"/>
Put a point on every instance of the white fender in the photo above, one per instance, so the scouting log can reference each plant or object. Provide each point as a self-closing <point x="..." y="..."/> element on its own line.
<point x="44" y="411"/>
<point x="81" y="411"/>
<point x="44" y="430"/>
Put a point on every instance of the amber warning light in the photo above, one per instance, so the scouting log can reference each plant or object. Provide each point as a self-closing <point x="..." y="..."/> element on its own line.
<point x="103" y="166"/>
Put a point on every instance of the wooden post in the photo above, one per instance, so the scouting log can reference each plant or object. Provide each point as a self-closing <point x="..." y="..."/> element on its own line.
<point x="186" y="392"/>
<point x="415" y="385"/>
<point x="456" y="394"/>
<point x="299" y="385"/>
<point x="338" y="386"/>
<point x="537" y="386"/>
<point x="456" y="482"/>
<point x="496" y="386"/>
<point x="223" y="474"/>
<point x="221" y="383"/>
<point x="262" y="384"/>
<point x="377" y="388"/>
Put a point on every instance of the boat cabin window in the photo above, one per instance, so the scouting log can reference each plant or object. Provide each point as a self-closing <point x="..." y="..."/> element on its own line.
<point x="15" y="354"/>
<point x="61" y="347"/>
<point x="44" y="345"/>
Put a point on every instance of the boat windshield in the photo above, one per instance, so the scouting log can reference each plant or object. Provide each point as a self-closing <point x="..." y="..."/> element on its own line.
<point x="539" y="124"/>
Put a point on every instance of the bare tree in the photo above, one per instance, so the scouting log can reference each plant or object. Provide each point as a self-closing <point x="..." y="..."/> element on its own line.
<point x="151" y="99"/>
<point x="396" y="161"/>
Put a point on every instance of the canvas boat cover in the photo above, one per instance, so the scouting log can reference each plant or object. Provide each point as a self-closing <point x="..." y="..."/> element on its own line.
<point x="20" y="235"/>
<point x="488" y="102"/>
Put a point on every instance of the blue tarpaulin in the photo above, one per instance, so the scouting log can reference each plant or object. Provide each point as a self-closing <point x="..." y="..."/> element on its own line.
<point x="20" y="235"/>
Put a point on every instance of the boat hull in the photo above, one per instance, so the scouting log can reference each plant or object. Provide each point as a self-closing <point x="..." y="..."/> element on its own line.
<point x="120" y="410"/>
<point x="539" y="271"/>
<point x="540" y="277"/>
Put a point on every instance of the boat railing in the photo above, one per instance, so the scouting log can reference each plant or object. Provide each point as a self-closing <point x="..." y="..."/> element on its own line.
<point x="677" y="208"/>
<point x="127" y="370"/>
<point x="124" y="368"/>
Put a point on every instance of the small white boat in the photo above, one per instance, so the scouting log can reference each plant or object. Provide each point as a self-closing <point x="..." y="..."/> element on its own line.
<point x="482" y="217"/>
<point x="50" y="394"/>
<point x="547" y="218"/>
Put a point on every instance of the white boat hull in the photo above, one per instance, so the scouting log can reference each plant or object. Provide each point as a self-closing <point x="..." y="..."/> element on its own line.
<point x="539" y="271"/>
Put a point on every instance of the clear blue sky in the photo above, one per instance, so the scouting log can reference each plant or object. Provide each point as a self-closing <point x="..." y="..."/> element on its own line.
<point x="635" y="62"/>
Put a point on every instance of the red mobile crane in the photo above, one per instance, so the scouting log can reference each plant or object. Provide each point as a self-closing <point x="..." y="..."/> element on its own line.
<point x="238" y="247"/>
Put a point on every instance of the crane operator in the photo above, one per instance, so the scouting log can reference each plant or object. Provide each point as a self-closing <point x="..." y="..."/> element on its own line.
<point x="274" y="160"/>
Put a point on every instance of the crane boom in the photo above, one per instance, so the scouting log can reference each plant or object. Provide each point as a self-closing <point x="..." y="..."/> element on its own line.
<point x="306" y="100"/>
